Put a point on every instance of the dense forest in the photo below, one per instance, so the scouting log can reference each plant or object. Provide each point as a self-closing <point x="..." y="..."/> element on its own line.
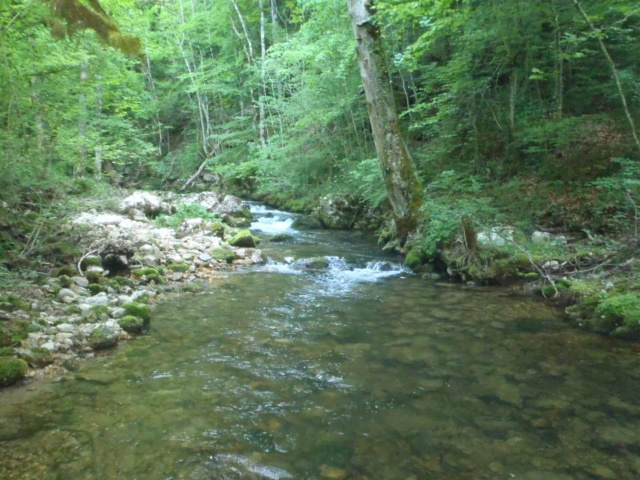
<point x="512" y="113"/>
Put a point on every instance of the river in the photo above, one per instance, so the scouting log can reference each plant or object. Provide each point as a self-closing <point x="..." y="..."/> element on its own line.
<point x="357" y="371"/>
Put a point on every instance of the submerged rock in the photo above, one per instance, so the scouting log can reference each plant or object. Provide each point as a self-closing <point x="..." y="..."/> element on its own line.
<point x="314" y="263"/>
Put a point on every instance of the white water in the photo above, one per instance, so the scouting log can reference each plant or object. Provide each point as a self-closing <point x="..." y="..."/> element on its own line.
<point x="271" y="222"/>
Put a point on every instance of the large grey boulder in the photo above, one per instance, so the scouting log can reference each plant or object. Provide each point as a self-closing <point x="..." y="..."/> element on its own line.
<point x="145" y="202"/>
<point x="226" y="206"/>
<point x="337" y="211"/>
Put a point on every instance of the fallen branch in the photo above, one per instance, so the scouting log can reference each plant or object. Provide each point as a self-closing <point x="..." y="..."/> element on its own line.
<point x="83" y="258"/>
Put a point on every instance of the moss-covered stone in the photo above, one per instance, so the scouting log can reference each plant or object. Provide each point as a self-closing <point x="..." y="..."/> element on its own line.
<point x="282" y="238"/>
<point x="11" y="370"/>
<point x="132" y="324"/>
<point x="415" y="258"/>
<point x="102" y="338"/>
<point x="95" y="277"/>
<point x="192" y="288"/>
<point x="64" y="281"/>
<point x="223" y="254"/>
<point x="217" y="229"/>
<point x="100" y="310"/>
<point x="156" y="278"/>
<point x="618" y="315"/>
<point x="6" y="351"/>
<point x="36" y="357"/>
<point x="66" y="271"/>
<point x="178" y="267"/>
<point x="11" y="303"/>
<point x="95" y="288"/>
<point x="20" y="331"/>
<point x="145" y="271"/>
<point x="124" y="282"/>
<point x="244" y="238"/>
<point x="138" y="310"/>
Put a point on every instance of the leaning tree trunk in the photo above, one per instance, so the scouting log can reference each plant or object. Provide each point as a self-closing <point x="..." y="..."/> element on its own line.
<point x="401" y="181"/>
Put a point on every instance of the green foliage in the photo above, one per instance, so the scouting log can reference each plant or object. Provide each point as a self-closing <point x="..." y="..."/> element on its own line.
<point x="618" y="314"/>
<point x="452" y="197"/>
<point x="184" y="212"/>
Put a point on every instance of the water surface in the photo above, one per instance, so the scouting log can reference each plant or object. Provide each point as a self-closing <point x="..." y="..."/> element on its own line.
<point x="360" y="371"/>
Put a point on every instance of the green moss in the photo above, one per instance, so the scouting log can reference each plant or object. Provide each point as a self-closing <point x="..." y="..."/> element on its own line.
<point x="95" y="277"/>
<point x="619" y="315"/>
<point x="65" y="282"/>
<point x="124" y="282"/>
<point x="415" y="257"/>
<point x="145" y="271"/>
<point x="66" y="271"/>
<point x="217" y="229"/>
<point x="11" y="370"/>
<point x="20" y="331"/>
<point x="223" y="254"/>
<point x="178" y="267"/>
<point x="100" y="310"/>
<point x="102" y="337"/>
<point x="156" y="278"/>
<point x="94" y="288"/>
<point x="161" y="271"/>
<point x="92" y="262"/>
<point x="6" y="351"/>
<point x="37" y="357"/>
<point x="74" y="309"/>
<point x="138" y="310"/>
<point x="144" y="298"/>
<point x="133" y="324"/>
<point x="11" y="303"/>
<point x="192" y="288"/>
<point x="244" y="238"/>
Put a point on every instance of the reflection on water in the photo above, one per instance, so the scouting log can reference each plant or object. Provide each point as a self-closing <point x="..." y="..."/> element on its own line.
<point x="338" y="374"/>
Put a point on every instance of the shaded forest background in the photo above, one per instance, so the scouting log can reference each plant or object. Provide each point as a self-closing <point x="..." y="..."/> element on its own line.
<point x="510" y="107"/>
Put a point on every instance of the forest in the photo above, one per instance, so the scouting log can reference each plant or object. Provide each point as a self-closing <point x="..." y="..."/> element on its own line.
<point x="517" y="119"/>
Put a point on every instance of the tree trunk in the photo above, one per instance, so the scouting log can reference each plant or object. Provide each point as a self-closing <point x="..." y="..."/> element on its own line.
<point x="403" y="186"/>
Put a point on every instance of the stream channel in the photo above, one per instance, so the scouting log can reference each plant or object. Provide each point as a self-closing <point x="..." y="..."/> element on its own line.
<point x="358" y="371"/>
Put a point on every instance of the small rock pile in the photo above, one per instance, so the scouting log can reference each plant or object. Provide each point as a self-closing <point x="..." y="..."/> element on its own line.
<point x="87" y="308"/>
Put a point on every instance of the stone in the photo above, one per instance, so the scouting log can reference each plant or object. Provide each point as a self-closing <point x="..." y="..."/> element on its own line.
<point x="337" y="211"/>
<point x="205" y="257"/>
<point x="146" y="202"/>
<point x="223" y="254"/>
<point x="80" y="281"/>
<point x="314" y="263"/>
<point x="65" y="327"/>
<point x="541" y="237"/>
<point x="103" y="337"/>
<point x="50" y="346"/>
<point x="244" y="238"/>
<point x="118" y="312"/>
<point x="282" y="238"/>
<point x="67" y="296"/>
<point x="99" y="299"/>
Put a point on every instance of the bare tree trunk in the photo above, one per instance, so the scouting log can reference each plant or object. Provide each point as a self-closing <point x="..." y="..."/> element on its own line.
<point x="614" y="72"/>
<point x="403" y="186"/>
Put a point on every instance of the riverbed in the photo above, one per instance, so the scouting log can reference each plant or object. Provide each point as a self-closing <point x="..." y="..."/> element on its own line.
<point x="360" y="370"/>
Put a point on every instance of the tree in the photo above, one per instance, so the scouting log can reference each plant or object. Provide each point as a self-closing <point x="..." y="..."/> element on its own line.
<point x="403" y="186"/>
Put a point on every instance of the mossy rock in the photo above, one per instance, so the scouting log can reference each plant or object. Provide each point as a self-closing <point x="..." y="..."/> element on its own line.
<point x="138" y="310"/>
<point x="307" y="222"/>
<point x="66" y="271"/>
<point x="92" y="261"/>
<point x="6" y="351"/>
<point x="244" y="238"/>
<point x="100" y="310"/>
<point x="12" y="370"/>
<point x="415" y="258"/>
<point x="141" y="272"/>
<point x="95" y="277"/>
<point x="313" y="263"/>
<point x="20" y="331"/>
<point x="11" y="303"/>
<point x="64" y="281"/>
<point x="95" y="288"/>
<point x="102" y="338"/>
<point x="36" y="357"/>
<point x="223" y="254"/>
<point x="124" y="282"/>
<point x="192" y="288"/>
<point x="618" y="315"/>
<point x="217" y="230"/>
<point x="132" y="324"/>
<point x="282" y="238"/>
<point x="178" y="267"/>
<point x="74" y="309"/>
<point x="156" y="278"/>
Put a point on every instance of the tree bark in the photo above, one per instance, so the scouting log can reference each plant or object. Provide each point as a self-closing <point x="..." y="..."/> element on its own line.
<point x="403" y="186"/>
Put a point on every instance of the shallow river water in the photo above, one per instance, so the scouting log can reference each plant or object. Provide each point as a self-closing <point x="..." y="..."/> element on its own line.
<point x="361" y="371"/>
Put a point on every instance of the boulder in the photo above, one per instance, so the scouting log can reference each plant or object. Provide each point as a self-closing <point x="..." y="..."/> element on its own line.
<point x="149" y="204"/>
<point x="306" y="222"/>
<point x="314" y="263"/>
<point x="337" y="211"/>
<point x="11" y="370"/>
<point x="244" y="238"/>
<point x="103" y="337"/>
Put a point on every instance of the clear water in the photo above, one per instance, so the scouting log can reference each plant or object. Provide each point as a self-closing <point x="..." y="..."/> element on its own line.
<point x="362" y="371"/>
